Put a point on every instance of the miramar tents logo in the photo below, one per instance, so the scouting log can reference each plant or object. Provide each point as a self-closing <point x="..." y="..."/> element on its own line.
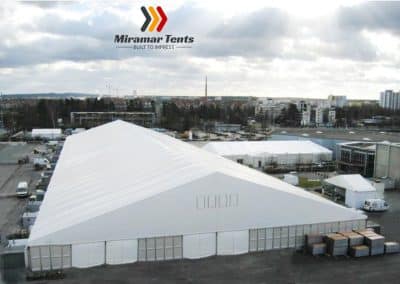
<point x="153" y="19"/>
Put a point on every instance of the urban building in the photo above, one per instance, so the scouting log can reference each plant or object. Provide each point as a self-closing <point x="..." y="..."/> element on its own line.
<point x="356" y="157"/>
<point x="150" y="197"/>
<point x="91" y="119"/>
<point x="390" y="100"/>
<point x="332" y="117"/>
<point x="319" y="116"/>
<point x="303" y="106"/>
<point x="387" y="162"/>
<point x="305" y="118"/>
<point x="337" y="101"/>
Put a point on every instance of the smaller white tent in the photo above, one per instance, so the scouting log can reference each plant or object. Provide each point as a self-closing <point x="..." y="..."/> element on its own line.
<point x="357" y="189"/>
<point x="260" y="153"/>
<point x="47" y="133"/>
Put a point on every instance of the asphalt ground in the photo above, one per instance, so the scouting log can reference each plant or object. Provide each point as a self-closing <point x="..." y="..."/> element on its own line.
<point x="12" y="207"/>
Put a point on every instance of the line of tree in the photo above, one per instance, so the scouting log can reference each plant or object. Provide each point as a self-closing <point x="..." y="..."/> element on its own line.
<point x="46" y="112"/>
<point x="183" y="118"/>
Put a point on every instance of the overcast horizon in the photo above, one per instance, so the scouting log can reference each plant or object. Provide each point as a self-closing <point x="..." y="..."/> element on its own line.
<point x="246" y="49"/>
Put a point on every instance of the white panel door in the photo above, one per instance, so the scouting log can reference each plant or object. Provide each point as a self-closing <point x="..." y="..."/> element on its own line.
<point x="199" y="245"/>
<point x="119" y="252"/>
<point x="233" y="242"/>
<point x="88" y="255"/>
<point x="241" y="239"/>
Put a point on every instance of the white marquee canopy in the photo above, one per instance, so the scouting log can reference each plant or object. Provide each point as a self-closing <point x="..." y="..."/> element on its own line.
<point x="120" y="181"/>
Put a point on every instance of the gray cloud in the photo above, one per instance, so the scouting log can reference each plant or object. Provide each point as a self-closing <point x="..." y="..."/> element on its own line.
<point x="99" y="26"/>
<point x="256" y="39"/>
<point x="91" y="38"/>
<point x="46" y="4"/>
<point x="263" y="24"/>
<point x="382" y="15"/>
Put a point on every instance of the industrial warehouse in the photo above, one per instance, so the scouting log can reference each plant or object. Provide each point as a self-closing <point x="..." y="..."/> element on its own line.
<point x="260" y="154"/>
<point x="121" y="193"/>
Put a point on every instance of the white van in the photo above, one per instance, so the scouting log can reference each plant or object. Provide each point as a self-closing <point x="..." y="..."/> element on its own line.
<point x="22" y="189"/>
<point x="375" y="205"/>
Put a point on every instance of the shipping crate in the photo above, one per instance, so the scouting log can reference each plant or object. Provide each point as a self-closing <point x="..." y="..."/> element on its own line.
<point x="337" y="240"/>
<point x="377" y="250"/>
<point x="337" y="251"/>
<point x="337" y="244"/>
<point x="392" y="247"/>
<point x="359" y="251"/>
<point x="354" y="239"/>
<point x="317" y="249"/>
<point x="313" y="239"/>
<point x="375" y="241"/>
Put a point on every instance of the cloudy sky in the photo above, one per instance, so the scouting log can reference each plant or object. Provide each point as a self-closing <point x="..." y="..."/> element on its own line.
<point x="252" y="48"/>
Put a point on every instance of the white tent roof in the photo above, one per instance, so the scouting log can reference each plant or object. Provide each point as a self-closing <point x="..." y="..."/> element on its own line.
<point x="252" y="148"/>
<point x="351" y="182"/>
<point x="46" y="130"/>
<point x="120" y="181"/>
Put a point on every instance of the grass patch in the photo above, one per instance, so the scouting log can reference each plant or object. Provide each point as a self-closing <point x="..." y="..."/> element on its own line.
<point x="306" y="183"/>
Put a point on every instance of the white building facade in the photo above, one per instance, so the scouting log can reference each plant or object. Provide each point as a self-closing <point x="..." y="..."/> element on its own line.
<point x="390" y="100"/>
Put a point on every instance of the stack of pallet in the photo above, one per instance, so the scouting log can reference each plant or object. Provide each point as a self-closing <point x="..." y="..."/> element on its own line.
<point x="359" y="251"/>
<point x="375" y="242"/>
<point x="392" y="247"/>
<point x="353" y="238"/>
<point x="315" y="245"/>
<point x="337" y="244"/>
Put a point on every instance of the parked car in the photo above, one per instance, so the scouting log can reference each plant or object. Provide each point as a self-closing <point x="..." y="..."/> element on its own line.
<point x="22" y="189"/>
<point x="375" y="205"/>
<point x="41" y="163"/>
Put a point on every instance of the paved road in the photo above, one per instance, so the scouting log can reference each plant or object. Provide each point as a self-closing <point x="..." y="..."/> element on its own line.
<point x="12" y="208"/>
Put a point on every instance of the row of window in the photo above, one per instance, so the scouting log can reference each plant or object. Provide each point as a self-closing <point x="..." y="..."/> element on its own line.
<point x="293" y="236"/>
<point x="50" y="257"/>
<point x="165" y="248"/>
<point x="161" y="248"/>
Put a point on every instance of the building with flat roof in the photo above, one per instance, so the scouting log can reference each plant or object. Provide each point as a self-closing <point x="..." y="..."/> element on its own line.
<point x="387" y="162"/>
<point x="337" y="101"/>
<point x="356" y="158"/>
<point x="390" y="100"/>
<point x="121" y="193"/>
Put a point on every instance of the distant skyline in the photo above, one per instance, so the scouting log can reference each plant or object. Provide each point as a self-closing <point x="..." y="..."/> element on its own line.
<point x="254" y="48"/>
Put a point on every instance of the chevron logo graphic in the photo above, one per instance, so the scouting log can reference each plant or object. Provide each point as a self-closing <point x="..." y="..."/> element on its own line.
<point x="155" y="19"/>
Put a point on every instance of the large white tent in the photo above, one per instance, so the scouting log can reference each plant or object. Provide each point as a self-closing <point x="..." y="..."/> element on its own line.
<point x="121" y="193"/>
<point x="260" y="153"/>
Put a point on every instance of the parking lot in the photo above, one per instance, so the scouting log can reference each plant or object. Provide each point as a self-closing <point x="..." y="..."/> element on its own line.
<point x="11" y="173"/>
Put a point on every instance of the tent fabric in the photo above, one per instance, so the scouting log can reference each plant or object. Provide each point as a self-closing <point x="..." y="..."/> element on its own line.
<point x="121" y="181"/>
<point x="257" y="148"/>
<point x="353" y="182"/>
<point x="46" y="132"/>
